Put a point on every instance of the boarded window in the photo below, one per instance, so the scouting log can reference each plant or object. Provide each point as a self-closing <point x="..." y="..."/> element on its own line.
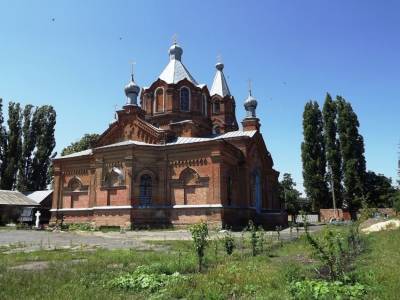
<point x="185" y="101"/>
<point x="159" y="106"/>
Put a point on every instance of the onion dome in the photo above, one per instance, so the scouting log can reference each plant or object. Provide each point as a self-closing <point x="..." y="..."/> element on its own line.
<point x="175" y="52"/>
<point x="250" y="105"/>
<point x="132" y="91"/>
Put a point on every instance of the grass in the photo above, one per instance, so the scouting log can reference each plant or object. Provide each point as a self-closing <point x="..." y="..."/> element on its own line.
<point x="239" y="276"/>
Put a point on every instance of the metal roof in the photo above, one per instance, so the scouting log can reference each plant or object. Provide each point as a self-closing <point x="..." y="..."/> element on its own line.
<point x="13" y="198"/>
<point x="220" y="86"/>
<point x="177" y="141"/>
<point x="175" y="71"/>
<point x="38" y="196"/>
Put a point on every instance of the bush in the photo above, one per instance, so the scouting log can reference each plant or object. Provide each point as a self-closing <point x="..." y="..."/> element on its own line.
<point x="78" y="226"/>
<point x="144" y="279"/>
<point x="254" y="238"/>
<point x="321" y="289"/>
<point x="199" y="235"/>
<point x="229" y="242"/>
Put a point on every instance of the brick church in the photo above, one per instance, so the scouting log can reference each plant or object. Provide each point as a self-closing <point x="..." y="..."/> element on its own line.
<point x="175" y="156"/>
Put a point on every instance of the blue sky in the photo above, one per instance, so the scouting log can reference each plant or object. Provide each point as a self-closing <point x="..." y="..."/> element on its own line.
<point x="292" y="50"/>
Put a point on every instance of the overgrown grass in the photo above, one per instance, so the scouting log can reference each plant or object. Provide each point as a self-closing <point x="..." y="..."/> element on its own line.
<point x="236" y="276"/>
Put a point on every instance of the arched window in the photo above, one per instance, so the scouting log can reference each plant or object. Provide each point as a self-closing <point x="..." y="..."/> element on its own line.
<point x="204" y="106"/>
<point x="256" y="191"/>
<point x="216" y="129"/>
<point x="216" y="107"/>
<point x="159" y="100"/>
<point x="185" y="99"/>
<point x="146" y="186"/>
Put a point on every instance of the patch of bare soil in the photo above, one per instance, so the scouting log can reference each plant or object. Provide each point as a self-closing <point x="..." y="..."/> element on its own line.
<point x="32" y="266"/>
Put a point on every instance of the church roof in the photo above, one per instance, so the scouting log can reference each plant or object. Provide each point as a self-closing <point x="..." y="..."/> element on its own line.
<point x="177" y="141"/>
<point x="220" y="86"/>
<point x="175" y="71"/>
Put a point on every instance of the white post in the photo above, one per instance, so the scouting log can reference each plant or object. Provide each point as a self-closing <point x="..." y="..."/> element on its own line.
<point x="37" y="214"/>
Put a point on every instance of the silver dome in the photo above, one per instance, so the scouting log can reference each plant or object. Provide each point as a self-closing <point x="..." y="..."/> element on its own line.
<point x="250" y="105"/>
<point x="175" y="52"/>
<point x="132" y="91"/>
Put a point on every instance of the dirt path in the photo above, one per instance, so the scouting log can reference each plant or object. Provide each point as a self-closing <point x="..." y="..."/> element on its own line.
<point x="31" y="240"/>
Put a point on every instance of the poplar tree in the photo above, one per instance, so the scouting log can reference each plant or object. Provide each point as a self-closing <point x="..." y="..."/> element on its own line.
<point x="352" y="151"/>
<point x="3" y="142"/>
<point x="332" y="149"/>
<point x="44" y="121"/>
<point x="14" y="147"/>
<point x="313" y="157"/>
<point x="28" y="145"/>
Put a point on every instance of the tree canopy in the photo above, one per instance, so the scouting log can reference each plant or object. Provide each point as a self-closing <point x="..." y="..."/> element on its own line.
<point x="88" y="141"/>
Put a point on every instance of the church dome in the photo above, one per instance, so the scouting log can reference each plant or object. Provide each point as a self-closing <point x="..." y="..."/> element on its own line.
<point x="132" y="88"/>
<point x="250" y="105"/>
<point x="175" y="52"/>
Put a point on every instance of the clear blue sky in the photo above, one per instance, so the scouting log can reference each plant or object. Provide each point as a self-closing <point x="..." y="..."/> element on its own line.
<point x="292" y="50"/>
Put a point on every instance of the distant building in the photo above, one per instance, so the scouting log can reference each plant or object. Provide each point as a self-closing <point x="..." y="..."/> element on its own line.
<point x="44" y="199"/>
<point x="11" y="205"/>
<point x="177" y="157"/>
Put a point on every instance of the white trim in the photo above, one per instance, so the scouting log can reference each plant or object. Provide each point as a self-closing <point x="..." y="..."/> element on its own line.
<point x="155" y="100"/>
<point x="198" y="206"/>
<point x="180" y="98"/>
<point x="72" y="209"/>
<point x="112" y="207"/>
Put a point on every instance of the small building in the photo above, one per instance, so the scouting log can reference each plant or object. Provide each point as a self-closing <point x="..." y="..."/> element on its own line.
<point x="43" y="199"/>
<point x="12" y="204"/>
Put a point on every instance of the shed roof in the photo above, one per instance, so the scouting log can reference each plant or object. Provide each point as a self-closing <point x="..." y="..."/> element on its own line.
<point x="38" y="196"/>
<point x="12" y="198"/>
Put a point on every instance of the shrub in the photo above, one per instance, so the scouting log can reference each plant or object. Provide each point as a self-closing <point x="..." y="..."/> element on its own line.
<point x="144" y="279"/>
<point x="229" y="242"/>
<point x="199" y="235"/>
<point x="254" y="238"/>
<point x="320" y="289"/>
<point x="77" y="226"/>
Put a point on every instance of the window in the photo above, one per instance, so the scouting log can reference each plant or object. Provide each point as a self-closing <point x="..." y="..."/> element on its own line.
<point x="216" y="107"/>
<point x="229" y="190"/>
<point x="185" y="99"/>
<point x="146" y="186"/>
<point x="216" y="129"/>
<point x="204" y="105"/>
<point x="159" y="100"/>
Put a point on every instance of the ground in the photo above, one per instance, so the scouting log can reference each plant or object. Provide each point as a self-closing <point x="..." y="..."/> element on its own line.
<point x="85" y="272"/>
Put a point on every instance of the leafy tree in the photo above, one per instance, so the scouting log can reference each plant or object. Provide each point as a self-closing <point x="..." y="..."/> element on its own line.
<point x="313" y="156"/>
<point x="332" y="149"/>
<point x="44" y="121"/>
<point x="88" y="141"/>
<point x="14" y="147"/>
<point x="379" y="191"/>
<point x="289" y="195"/>
<point x="352" y="151"/>
<point x="200" y="240"/>
<point x="396" y="201"/>
<point x="28" y="145"/>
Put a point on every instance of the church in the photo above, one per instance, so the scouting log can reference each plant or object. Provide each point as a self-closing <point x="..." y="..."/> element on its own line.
<point x="173" y="156"/>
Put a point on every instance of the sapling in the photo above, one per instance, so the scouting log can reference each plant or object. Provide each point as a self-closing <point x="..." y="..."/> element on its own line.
<point x="200" y="240"/>
<point x="253" y="237"/>
<point x="229" y="242"/>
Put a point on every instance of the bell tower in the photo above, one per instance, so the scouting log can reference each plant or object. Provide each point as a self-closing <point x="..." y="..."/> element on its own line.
<point x="222" y="104"/>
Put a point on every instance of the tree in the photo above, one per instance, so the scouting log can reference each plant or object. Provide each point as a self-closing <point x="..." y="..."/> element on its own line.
<point x="352" y="151"/>
<point x="44" y="121"/>
<point x="332" y="149"/>
<point x="200" y="240"/>
<point x="88" y="141"/>
<point x="289" y="195"/>
<point x="3" y="142"/>
<point x="379" y="191"/>
<point x="313" y="157"/>
<point x="14" y="147"/>
<point x="28" y="145"/>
